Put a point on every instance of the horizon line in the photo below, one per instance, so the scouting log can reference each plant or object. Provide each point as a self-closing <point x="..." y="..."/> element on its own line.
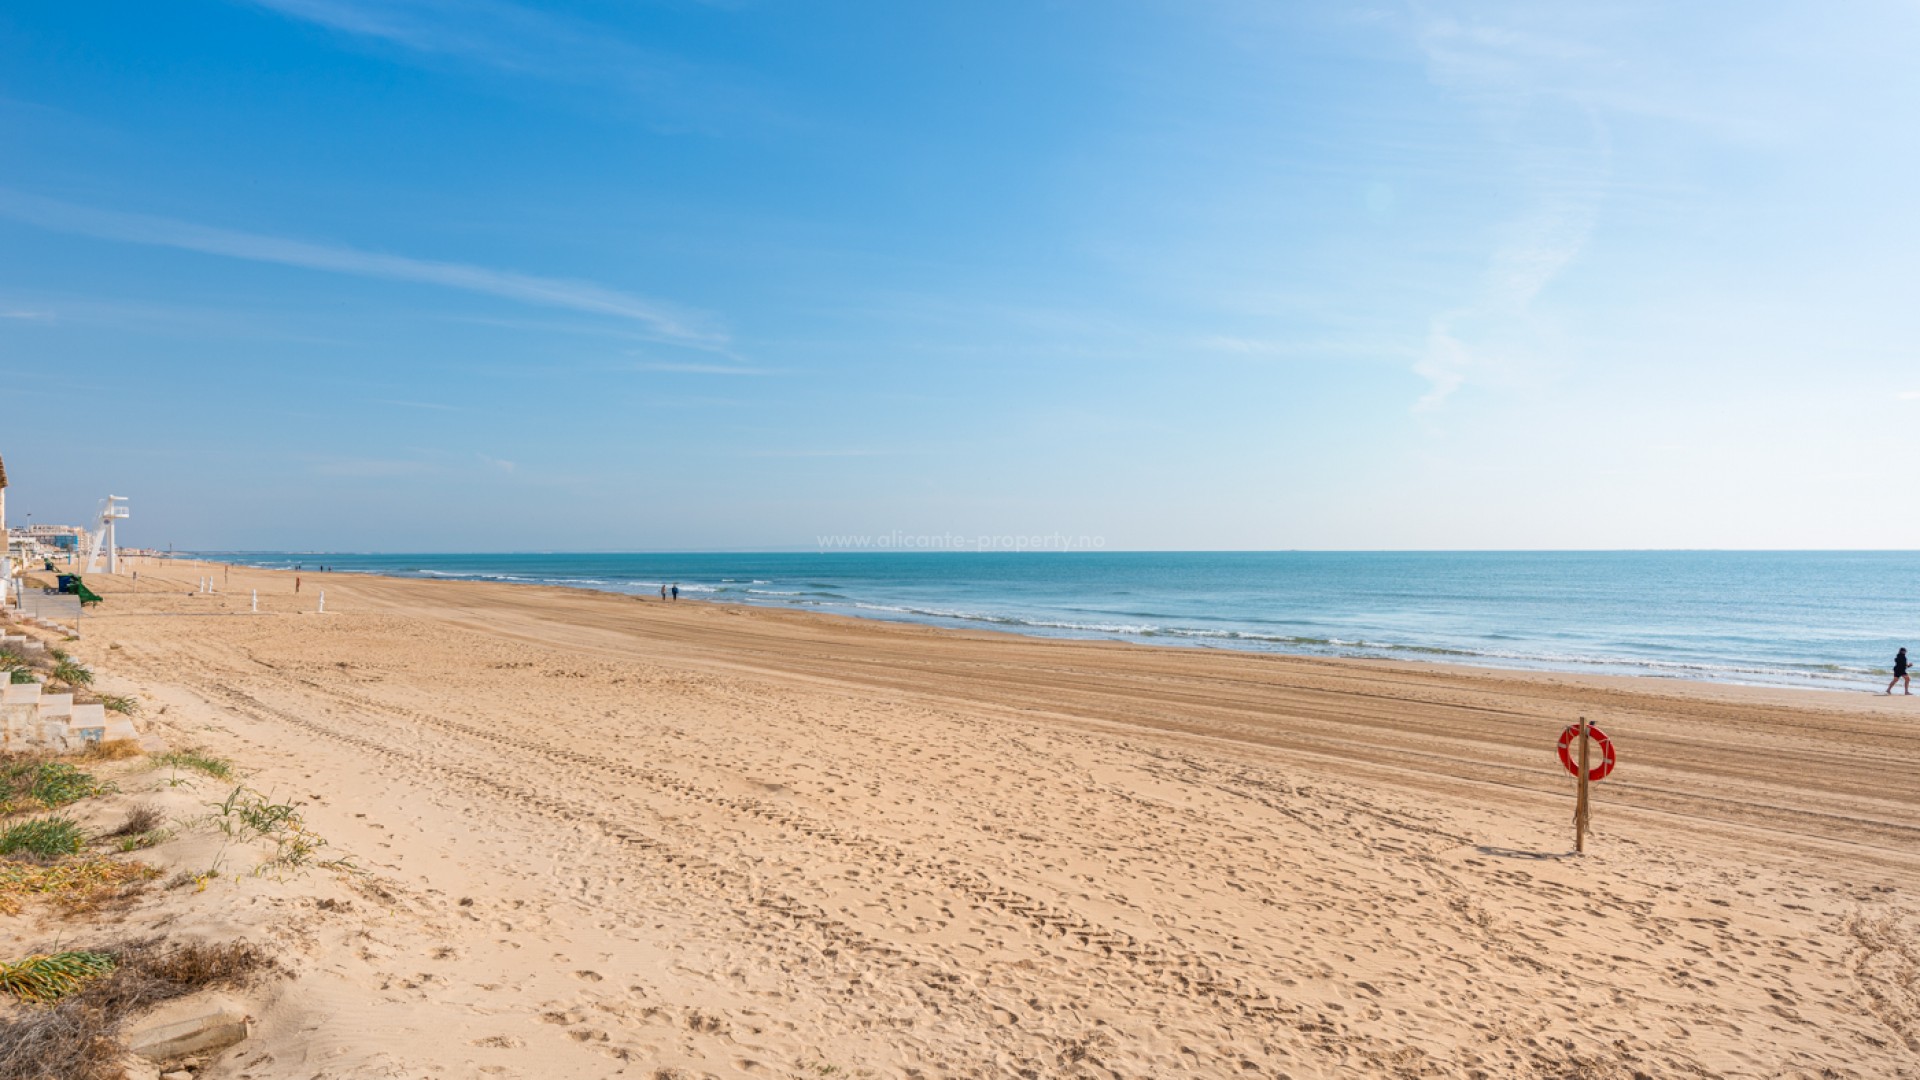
<point x="1102" y="551"/>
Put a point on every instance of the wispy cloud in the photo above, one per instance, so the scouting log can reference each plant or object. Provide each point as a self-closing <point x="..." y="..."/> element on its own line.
<point x="671" y="323"/>
<point x="521" y="41"/>
<point x="1480" y="57"/>
<point x="1601" y="56"/>
<point x="1444" y="365"/>
<point x="429" y="27"/>
<point x="544" y="327"/>
<point x="1566" y="177"/>
<point x="226" y="320"/>
<point x="1499" y="331"/>
<point x="1909" y="395"/>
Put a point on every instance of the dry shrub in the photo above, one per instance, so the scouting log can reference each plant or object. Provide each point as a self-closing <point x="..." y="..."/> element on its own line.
<point x="141" y="819"/>
<point x="117" y="750"/>
<point x="76" y="884"/>
<point x="192" y="965"/>
<point x="78" y="1039"/>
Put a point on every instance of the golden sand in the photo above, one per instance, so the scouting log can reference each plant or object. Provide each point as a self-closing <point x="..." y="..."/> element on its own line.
<point x="613" y="836"/>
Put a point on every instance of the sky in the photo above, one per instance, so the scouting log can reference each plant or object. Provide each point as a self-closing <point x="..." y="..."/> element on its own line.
<point x="604" y="275"/>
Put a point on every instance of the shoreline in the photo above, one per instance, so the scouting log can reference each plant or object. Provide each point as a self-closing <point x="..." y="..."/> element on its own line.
<point x="863" y="628"/>
<point x="1858" y="682"/>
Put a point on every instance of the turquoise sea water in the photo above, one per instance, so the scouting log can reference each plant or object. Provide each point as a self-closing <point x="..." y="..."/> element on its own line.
<point x="1816" y="619"/>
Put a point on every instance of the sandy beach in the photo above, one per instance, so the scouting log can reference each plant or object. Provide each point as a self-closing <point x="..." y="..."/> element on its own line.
<point x="608" y="836"/>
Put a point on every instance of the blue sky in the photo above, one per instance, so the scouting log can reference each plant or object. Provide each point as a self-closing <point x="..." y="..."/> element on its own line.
<point x="481" y="275"/>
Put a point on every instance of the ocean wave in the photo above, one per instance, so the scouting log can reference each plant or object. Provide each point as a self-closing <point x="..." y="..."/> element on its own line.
<point x="1361" y="646"/>
<point x="481" y="576"/>
<point x="1754" y="641"/>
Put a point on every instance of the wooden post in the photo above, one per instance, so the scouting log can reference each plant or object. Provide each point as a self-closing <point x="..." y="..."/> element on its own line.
<point x="1580" y="802"/>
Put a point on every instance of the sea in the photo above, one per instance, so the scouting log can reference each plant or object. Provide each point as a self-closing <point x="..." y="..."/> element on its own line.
<point x="1817" y="619"/>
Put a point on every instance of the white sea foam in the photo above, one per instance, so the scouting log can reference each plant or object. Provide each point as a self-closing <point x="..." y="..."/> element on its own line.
<point x="1640" y="614"/>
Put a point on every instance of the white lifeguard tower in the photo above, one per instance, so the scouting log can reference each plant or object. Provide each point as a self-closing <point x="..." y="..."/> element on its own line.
<point x="112" y="510"/>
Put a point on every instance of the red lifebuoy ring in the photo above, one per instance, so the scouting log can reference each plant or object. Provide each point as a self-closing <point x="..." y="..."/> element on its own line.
<point x="1597" y="772"/>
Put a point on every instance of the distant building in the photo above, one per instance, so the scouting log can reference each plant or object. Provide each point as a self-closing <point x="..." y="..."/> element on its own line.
<point x="56" y="535"/>
<point x="36" y="542"/>
<point x="6" y="543"/>
<point x="40" y="541"/>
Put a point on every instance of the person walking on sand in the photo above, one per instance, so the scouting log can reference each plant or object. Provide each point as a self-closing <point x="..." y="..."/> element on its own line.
<point x="663" y="590"/>
<point x="676" y="593"/>
<point x="1900" y="672"/>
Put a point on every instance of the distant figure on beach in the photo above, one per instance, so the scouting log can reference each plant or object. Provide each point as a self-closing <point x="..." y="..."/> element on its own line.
<point x="296" y="583"/>
<point x="663" y="590"/>
<point x="1900" y="672"/>
<point x="676" y="592"/>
